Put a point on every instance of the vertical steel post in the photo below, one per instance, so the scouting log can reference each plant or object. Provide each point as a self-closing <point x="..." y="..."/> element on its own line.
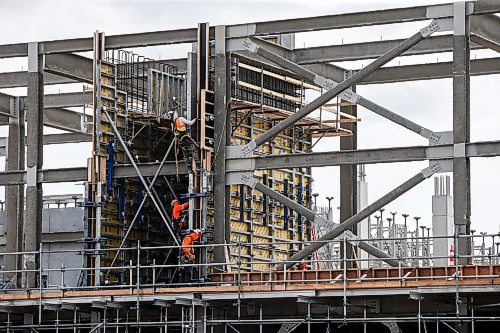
<point x="461" y="127"/>
<point x="222" y="130"/>
<point x="34" y="191"/>
<point x="348" y="172"/>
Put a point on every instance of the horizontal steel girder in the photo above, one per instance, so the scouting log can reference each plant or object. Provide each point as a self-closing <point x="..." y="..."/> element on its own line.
<point x="337" y="21"/>
<point x="485" y="30"/>
<point x="365" y="156"/>
<point x="54" y="116"/>
<point x="79" y="174"/>
<point x="51" y="139"/>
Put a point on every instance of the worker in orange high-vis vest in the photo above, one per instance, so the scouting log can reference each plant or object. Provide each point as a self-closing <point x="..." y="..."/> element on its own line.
<point x="188" y="241"/>
<point x="186" y="143"/>
<point x="178" y="215"/>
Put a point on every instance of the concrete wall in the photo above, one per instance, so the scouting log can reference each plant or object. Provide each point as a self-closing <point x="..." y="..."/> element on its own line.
<point x="62" y="228"/>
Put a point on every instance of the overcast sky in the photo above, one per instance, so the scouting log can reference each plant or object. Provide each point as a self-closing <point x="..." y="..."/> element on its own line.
<point x="426" y="102"/>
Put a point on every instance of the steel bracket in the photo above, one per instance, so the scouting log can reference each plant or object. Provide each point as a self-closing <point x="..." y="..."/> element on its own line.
<point x="241" y="150"/>
<point x="441" y="138"/>
<point x="320" y="221"/>
<point x="240" y="164"/>
<point x="241" y="178"/>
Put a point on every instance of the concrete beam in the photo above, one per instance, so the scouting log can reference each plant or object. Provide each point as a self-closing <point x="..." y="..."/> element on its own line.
<point x="485" y="30"/>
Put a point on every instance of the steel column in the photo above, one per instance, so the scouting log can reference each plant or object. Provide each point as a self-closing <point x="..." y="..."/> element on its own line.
<point x="14" y="195"/>
<point x="222" y="129"/>
<point x="461" y="129"/>
<point x="34" y="192"/>
<point x="348" y="175"/>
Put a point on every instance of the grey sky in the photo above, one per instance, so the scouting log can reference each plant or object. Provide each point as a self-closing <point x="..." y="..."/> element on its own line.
<point x="426" y="102"/>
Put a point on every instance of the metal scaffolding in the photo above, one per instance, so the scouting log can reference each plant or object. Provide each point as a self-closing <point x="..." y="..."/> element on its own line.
<point x="246" y="84"/>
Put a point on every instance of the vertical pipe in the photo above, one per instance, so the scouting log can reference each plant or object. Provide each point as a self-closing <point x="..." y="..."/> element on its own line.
<point x="138" y="279"/>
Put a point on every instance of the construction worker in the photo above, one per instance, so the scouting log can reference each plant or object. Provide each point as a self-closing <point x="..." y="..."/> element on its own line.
<point x="188" y="241"/>
<point x="186" y="143"/>
<point x="178" y="215"/>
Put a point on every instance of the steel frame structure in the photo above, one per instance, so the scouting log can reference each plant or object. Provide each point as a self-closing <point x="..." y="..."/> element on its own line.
<point x="473" y="25"/>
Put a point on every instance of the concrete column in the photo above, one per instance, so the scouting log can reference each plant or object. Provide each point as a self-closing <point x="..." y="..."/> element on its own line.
<point x="222" y="129"/>
<point x="33" y="221"/>
<point x="442" y="220"/>
<point x="461" y="127"/>
<point x="28" y="319"/>
<point x="200" y="317"/>
<point x="14" y="195"/>
<point x="348" y="174"/>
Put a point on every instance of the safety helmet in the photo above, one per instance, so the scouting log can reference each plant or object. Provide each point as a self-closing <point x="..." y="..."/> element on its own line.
<point x="172" y="115"/>
<point x="199" y="232"/>
<point x="173" y="202"/>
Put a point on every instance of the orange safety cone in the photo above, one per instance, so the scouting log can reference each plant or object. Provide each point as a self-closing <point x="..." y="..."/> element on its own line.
<point x="452" y="254"/>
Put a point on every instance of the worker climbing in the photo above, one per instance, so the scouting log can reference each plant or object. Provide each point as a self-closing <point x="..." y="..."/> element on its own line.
<point x="179" y="216"/>
<point x="188" y="241"/>
<point x="184" y="140"/>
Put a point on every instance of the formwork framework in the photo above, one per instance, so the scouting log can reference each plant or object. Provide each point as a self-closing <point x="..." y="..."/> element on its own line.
<point x="468" y="25"/>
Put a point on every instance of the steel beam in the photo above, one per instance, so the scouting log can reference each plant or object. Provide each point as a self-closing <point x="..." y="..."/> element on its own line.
<point x="79" y="174"/>
<point x="48" y="139"/>
<point x="338" y="21"/>
<point x="310" y="215"/>
<point x="336" y="89"/>
<point x="34" y="191"/>
<point x="67" y="100"/>
<point x="370" y="50"/>
<point x="441" y="70"/>
<point x="18" y="79"/>
<point x="67" y="120"/>
<point x="69" y="65"/>
<point x="365" y="156"/>
<point x="363" y="214"/>
<point x="368" y="248"/>
<point x="485" y="30"/>
<point x="461" y="130"/>
<point x="14" y="195"/>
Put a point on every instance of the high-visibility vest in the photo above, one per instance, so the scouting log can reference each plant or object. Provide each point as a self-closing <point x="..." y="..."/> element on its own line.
<point x="180" y="126"/>
<point x="178" y="208"/>
<point x="190" y="239"/>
